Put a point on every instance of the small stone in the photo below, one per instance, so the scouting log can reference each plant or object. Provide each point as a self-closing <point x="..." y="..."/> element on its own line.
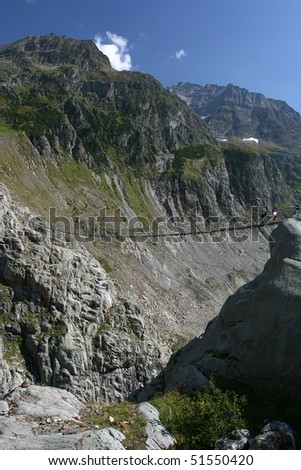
<point x="4" y="408"/>
<point x="25" y="384"/>
<point x="123" y="424"/>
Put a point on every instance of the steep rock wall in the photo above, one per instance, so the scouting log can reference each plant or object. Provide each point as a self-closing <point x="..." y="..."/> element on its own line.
<point x="62" y="321"/>
<point x="256" y="337"/>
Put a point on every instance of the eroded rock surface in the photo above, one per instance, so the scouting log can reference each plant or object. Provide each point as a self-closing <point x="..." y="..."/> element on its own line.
<point x="256" y="337"/>
<point x="37" y="402"/>
<point x="63" y="323"/>
<point x="158" y="438"/>
<point x="35" y="417"/>
<point x="275" y="435"/>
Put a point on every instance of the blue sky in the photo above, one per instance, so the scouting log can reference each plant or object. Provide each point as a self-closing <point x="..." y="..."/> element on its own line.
<point x="255" y="44"/>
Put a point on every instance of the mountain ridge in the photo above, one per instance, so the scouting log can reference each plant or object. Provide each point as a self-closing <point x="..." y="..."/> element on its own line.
<point x="232" y="111"/>
<point x="53" y="50"/>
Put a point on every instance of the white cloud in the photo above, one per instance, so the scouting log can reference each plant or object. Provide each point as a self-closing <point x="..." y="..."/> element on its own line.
<point x="116" y="49"/>
<point x="181" y="53"/>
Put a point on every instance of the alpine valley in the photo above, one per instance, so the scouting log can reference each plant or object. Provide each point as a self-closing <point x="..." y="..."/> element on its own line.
<point x="128" y="215"/>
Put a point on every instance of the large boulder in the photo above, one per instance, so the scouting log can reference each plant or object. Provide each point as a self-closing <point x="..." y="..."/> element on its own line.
<point x="158" y="437"/>
<point x="38" y="402"/>
<point x="275" y="435"/>
<point x="256" y="338"/>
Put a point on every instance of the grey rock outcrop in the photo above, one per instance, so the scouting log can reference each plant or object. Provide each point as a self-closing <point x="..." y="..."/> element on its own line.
<point x="158" y="438"/>
<point x="36" y="401"/>
<point x="62" y="322"/>
<point x="104" y="439"/>
<point x="256" y="337"/>
<point x="3" y="407"/>
<point x="49" y="418"/>
<point x="236" y="440"/>
<point x="275" y="435"/>
<point x="36" y="417"/>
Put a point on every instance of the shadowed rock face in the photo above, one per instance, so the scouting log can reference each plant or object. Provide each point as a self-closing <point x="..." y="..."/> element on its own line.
<point x="256" y="337"/>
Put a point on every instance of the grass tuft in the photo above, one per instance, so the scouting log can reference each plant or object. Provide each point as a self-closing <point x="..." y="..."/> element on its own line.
<point x="126" y="419"/>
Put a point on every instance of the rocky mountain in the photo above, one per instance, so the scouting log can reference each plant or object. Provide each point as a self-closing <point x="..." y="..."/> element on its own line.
<point x="64" y="94"/>
<point x="64" y="323"/>
<point x="256" y="337"/>
<point x="110" y="189"/>
<point x="55" y="51"/>
<point x="232" y="111"/>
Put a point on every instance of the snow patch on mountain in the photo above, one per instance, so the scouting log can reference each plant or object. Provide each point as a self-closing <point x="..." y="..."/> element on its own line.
<point x="250" y="139"/>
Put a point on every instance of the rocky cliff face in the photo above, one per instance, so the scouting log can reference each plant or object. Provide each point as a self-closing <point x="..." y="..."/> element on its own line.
<point x="62" y="322"/>
<point x="63" y="93"/>
<point x="231" y="112"/>
<point x="256" y="337"/>
<point x="78" y="138"/>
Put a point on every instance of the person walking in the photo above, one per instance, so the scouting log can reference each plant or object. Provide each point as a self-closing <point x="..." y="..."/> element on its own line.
<point x="263" y="215"/>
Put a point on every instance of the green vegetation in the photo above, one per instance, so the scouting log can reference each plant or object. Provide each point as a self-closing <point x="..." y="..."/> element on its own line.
<point x="199" y="420"/>
<point x="33" y="112"/>
<point x="105" y="265"/>
<point x="292" y="174"/>
<point x="117" y="124"/>
<point x="4" y="127"/>
<point x="102" y="328"/>
<point x="179" y="342"/>
<point x="126" y="420"/>
<point x="12" y="350"/>
<point x="132" y="187"/>
<point x="240" y="152"/>
<point x="77" y="173"/>
<point x="57" y="330"/>
<point x="191" y="161"/>
<point x="136" y="197"/>
<point x="6" y="292"/>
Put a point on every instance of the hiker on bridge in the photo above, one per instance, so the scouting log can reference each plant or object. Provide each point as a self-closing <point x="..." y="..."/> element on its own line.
<point x="263" y="216"/>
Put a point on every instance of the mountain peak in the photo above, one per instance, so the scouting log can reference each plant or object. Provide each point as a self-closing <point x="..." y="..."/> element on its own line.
<point x="55" y="51"/>
<point x="235" y="112"/>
